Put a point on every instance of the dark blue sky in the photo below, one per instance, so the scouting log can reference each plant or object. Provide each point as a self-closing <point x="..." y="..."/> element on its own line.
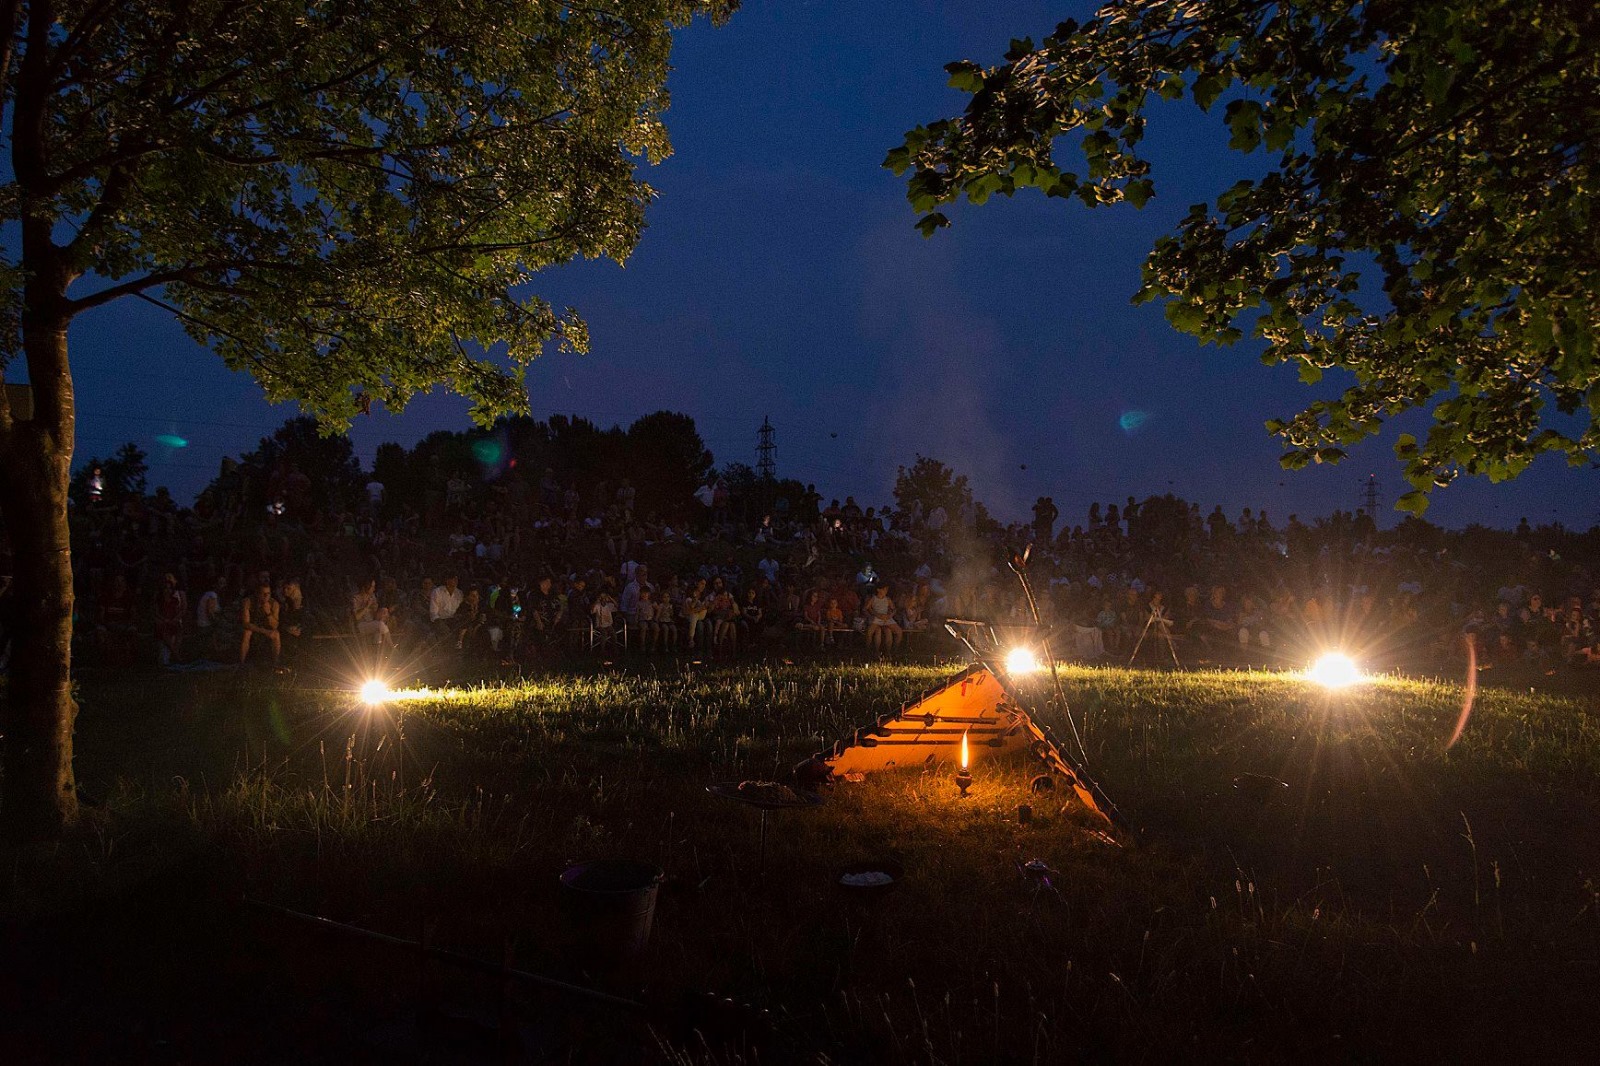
<point x="780" y="276"/>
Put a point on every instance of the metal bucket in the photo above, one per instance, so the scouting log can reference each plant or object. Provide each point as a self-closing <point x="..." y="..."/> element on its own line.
<point x="611" y="906"/>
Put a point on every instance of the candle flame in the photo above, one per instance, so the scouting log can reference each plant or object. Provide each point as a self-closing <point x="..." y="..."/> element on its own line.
<point x="963" y="751"/>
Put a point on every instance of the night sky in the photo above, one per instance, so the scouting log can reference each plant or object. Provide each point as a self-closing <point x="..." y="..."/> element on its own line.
<point x="780" y="275"/>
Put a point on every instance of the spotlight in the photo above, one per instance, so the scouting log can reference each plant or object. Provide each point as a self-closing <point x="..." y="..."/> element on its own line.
<point x="374" y="692"/>
<point x="1334" y="670"/>
<point x="1022" y="661"/>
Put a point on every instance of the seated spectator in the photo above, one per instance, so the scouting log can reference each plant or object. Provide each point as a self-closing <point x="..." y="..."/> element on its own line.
<point x="695" y="606"/>
<point x="644" y="619"/>
<point x="752" y="613"/>
<point x="723" y="612"/>
<point x="209" y="616"/>
<point x="291" y="618"/>
<point x="1106" y="621"/>
<point x="883" y="632"/>
<point x="604" y="611"/>
<point x="115" y="630"/>
<point x="258" y="618"/>
<point x="1217" y="616"/>
<point x="1577" y="635"/>
<point x="545" y="611"/>
<point x="666" y="620"/>
<point x="1253" y="623"/>
<point x="834" y="621"/>
<point x="371" y="620"/>
<point x="443" y="605"/>
<point x="469" y="623"/>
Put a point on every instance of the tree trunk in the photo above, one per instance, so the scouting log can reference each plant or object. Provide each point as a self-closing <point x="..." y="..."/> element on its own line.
<point x="38" y="795"/>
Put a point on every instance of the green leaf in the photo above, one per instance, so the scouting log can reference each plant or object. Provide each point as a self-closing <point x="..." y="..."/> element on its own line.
<point x="1415" y="502"/>
<point x="1138" y="192"/>
<point x="928" y="224"/>
<point x="965" y="75"/>
<point x="1244" y="120"/>
<point x="1207" y="87"/>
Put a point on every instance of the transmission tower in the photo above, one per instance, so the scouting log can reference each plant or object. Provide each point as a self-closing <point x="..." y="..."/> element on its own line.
<point x="1369" y="497"/>
<point x="766" y="451"/>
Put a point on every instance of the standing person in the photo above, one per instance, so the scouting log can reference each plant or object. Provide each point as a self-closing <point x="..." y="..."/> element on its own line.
<point x="258" y="617"/>
<point x="171" y="607"/>
<point x="1044" y="520"/>
<point x="638" y="579"/>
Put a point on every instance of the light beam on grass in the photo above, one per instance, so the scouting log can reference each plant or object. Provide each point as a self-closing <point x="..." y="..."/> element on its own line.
<point x="375" y="692"/>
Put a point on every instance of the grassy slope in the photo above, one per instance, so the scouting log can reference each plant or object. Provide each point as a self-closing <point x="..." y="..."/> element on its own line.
<point x="1397" y="899"/>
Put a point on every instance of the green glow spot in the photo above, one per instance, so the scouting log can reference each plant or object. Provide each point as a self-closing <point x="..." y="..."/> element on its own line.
<point x="171" y="440"/>
<point x="486" y="451"/>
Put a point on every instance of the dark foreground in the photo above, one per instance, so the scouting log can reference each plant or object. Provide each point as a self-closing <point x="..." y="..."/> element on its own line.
<point x="1396" y="901"/>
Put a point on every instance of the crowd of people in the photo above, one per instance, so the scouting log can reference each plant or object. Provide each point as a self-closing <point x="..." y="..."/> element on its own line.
<point x="516" y="572"/>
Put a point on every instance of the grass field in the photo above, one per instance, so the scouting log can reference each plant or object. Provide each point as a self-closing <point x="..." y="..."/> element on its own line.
<point x="1397" y="901"/>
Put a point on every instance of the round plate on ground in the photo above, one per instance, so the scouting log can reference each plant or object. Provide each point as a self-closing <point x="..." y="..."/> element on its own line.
<point x="871" y="878"/>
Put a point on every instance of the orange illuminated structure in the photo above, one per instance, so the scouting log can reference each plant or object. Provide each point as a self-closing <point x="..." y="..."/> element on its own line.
<point x="980" y="713"/>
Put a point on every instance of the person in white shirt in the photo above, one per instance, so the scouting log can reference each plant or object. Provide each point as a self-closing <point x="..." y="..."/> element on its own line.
<point x="444" y="603"/>
<point x="604" y="611"/>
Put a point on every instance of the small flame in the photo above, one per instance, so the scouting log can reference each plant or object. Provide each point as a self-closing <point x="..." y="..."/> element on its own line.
<point x="963" y="751"/>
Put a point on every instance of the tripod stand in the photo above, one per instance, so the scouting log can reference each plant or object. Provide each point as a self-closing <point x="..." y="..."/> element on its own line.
<point x="1163" y="627"/>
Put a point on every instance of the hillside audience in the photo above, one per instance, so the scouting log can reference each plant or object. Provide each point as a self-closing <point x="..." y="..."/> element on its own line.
<point x="515" y="571"/>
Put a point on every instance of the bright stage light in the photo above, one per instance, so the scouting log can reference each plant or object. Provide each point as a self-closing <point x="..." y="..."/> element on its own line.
<point x="374" y="692"/>
<point x="1335" y="670"/>
<point x="1021" y="661"/>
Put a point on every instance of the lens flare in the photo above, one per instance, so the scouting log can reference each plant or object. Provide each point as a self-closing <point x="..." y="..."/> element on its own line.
<point x="1132" y="420"/>
<point x="1021" y="661"/>
<point x="487" y="451"/>
<point x="1335" y="670"/>
<point x="171" y="440"/>
<point x="374" y="692"/>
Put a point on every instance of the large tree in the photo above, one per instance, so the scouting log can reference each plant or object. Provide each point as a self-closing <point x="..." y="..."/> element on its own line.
<point x="345" y="198"/>
<point x="1425" y="218"/>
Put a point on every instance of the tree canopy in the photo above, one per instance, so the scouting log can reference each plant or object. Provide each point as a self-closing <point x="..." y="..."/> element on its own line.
<point x="344" y="199"/>
<point x="927" y="483"/>
<point x="1425" y="219"/>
